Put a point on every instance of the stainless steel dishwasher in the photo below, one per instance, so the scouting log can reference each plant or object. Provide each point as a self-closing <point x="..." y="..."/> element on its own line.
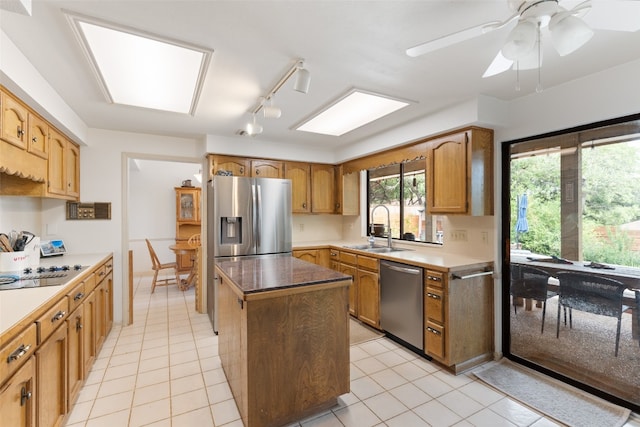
<point x="401" y="302"/>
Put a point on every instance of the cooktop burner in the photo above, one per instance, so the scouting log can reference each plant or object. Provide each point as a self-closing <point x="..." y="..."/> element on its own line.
<point x="41" y="276"/>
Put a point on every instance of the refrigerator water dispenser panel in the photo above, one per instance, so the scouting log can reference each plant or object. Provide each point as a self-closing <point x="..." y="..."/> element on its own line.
<point x="231" y="230"/>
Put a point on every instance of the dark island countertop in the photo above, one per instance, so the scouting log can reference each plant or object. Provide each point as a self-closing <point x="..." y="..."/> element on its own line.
<point x="263" y="273"/>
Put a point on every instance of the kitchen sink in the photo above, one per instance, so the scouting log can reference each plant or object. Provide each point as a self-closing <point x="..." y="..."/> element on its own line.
<point x="376" y="248"/>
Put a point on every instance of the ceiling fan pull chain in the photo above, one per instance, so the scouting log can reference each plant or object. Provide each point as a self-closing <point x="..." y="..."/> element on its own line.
<point x="539" y="88"/>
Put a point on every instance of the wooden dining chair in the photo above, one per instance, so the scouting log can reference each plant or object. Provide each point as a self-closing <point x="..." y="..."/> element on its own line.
<point x="157" y="266"/>
<point x="592" y="294"/>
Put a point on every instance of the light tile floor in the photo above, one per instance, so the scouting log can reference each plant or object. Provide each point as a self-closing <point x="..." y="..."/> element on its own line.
<point x="164" y="370"/>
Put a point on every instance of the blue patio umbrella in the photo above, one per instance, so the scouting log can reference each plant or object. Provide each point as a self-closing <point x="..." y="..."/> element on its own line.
<point x="522" y="226"/>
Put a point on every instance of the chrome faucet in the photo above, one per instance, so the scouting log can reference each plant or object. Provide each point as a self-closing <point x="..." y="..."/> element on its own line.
<point x="388" y="224"/>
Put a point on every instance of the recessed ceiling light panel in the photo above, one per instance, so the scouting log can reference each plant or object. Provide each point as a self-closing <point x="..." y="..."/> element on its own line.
<point x="357" y="108"/>
<point x="142" y="70"/>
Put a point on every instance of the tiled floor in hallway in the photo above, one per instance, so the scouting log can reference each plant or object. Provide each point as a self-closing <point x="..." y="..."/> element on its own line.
<point x="164" y="370"/>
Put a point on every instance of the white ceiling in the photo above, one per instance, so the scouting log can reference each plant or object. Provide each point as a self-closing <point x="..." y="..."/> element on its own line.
<point x="346" y="44"/>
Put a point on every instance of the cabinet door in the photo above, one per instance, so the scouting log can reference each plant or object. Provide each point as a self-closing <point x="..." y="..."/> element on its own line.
<point x="300" y="176"/>
<point x="57" y="179"/>
<point x="266" y="169"/>
<point x="353" y="289"/>
<point x="51" y="364"/>
<point x="238" y="166"/>
<point x="107" y="284"/>
<point x="310" y="255"/>
<point x="17" y="397"/>
<point x="447" y="174"/>
<point x="89" y="331"/>
<point x="14" y="122"/>
<point x="350" y="193"/>
<point x="369" y="298"/>
<point x="188" y="205"/>
<point x="323" y="194"/>
<point x="99" y="319"/>
<point x="72" y="170"/>
<point x="38" y="138"/>
<point x="75" y="348"/>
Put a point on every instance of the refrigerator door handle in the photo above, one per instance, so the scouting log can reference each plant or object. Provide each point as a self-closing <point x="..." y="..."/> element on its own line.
<point x="257" y="202"/>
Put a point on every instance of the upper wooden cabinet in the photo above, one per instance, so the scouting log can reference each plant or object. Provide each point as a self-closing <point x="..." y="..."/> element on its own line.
<point x="238" y="166"/>
<point x="64" y="167"/>
<point x="14" y="121"/>
<point x="348" y="192"/>
<point x="300" y="176"/>
<point x="267" y="169"/>
<point x="38" y="136"/>
<point x="323" y="189"/>
<point x="460" y="173"/>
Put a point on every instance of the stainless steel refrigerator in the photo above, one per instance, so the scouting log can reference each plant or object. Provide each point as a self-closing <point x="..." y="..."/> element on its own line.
<point x="245" y="216"/>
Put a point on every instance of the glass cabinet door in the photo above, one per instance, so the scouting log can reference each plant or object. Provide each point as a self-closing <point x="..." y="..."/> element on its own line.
<point x="188" y="201"/>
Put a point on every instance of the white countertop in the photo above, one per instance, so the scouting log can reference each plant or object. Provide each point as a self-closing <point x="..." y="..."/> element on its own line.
<point x="418" y="254"/>
<point x="16" y="304"/>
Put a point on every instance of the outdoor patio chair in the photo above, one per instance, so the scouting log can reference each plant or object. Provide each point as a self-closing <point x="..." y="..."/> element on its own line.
<point x="530" y="283"/>
<point x="591" y="294"/>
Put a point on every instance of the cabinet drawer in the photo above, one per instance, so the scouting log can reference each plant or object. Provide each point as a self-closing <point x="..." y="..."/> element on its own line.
<point x="53" y="318"/>
<point x="434" y="278"/>
<point x="89" y="283"/>
<point x="434" y="340"/>
<point x="108" y="266"/>
<point x="434" y="304"/>
<point x="368" y="263"/>
<point x="76" y="296"/>
<point x="348" y="258"/>
<point x="17" y="350"/>
<point x="101" y="273"/>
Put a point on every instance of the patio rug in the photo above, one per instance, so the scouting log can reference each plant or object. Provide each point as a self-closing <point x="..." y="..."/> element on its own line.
<point x="553" y="398"/>
<point x="359" y="333"/>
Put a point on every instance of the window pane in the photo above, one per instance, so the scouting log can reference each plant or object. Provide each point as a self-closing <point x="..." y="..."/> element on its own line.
<point x="415" y="224"/>
<point x="384" y="189"/>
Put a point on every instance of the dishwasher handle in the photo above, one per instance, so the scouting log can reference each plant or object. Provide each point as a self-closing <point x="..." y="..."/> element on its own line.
<point x="407" y="270"/>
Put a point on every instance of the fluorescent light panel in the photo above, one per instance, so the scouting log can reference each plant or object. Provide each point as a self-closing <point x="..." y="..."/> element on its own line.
<point x="350" y="112"/>
<point x="142" y="70"/>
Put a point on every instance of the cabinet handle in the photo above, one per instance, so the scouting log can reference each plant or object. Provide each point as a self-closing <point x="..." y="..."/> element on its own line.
<point x="78" y="324"/>
<point x="34" y="139"/>
<point x="434" y="296"/>
<point x="21" y="351"/>
<point x="19" y="132"/>
<point x="334" y="254"/>
<point x="78" y="296"/>
<point x="304" y="205"/>
<point x="241" y="170"/>
<point x="434" y="278"/>
<point x="433" y="331"/>
<point x="240" y="303"/>
<point x="102" y="273"/>
<point x="24" y="396"/>
<point x="59" y="315"/>
<point x="257" y="171"/>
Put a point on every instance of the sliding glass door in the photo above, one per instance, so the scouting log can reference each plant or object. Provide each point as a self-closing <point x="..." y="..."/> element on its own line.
<point x="572" y="256"/>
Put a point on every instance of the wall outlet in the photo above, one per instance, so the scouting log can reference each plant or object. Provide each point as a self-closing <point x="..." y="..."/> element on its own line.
<point x="458" y="235"/>
<point x="484" y="236"/>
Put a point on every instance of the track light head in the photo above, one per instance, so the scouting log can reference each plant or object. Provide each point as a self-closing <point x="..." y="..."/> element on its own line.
<point x="253" y="128"/>
<point x="303" y="80"/>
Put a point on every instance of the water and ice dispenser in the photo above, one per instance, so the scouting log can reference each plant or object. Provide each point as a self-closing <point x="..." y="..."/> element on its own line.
<point x="231" y="230"/>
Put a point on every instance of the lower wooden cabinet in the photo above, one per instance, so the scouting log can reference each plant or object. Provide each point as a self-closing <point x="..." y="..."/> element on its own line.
<point x="50" y="358"/>
<point x="17" y="397"/>
<point x="51" y="371"/>
<point x="458" y="323"/>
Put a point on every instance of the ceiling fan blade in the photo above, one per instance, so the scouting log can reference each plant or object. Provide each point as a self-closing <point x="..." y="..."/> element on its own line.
<point x="499" y="65"/>
<point x="460" y="36"/>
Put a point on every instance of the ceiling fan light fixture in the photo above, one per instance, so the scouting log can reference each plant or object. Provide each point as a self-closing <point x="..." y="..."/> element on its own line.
<point x="521" y="40"/>
<point x="568" y="33"/>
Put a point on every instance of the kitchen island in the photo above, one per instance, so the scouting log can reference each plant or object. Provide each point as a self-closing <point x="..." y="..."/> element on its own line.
<point x="283" y="336"/>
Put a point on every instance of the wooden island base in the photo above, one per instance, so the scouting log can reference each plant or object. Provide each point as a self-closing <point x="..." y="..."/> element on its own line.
<point x="285" y="352"/>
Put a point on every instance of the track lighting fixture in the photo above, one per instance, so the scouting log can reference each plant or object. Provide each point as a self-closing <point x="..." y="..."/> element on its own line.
<point x="303" y="80"/>
<point x="253" y="128"/>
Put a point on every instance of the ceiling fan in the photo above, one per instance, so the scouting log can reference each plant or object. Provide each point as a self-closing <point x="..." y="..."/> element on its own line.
<point x="569" y="31"/>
